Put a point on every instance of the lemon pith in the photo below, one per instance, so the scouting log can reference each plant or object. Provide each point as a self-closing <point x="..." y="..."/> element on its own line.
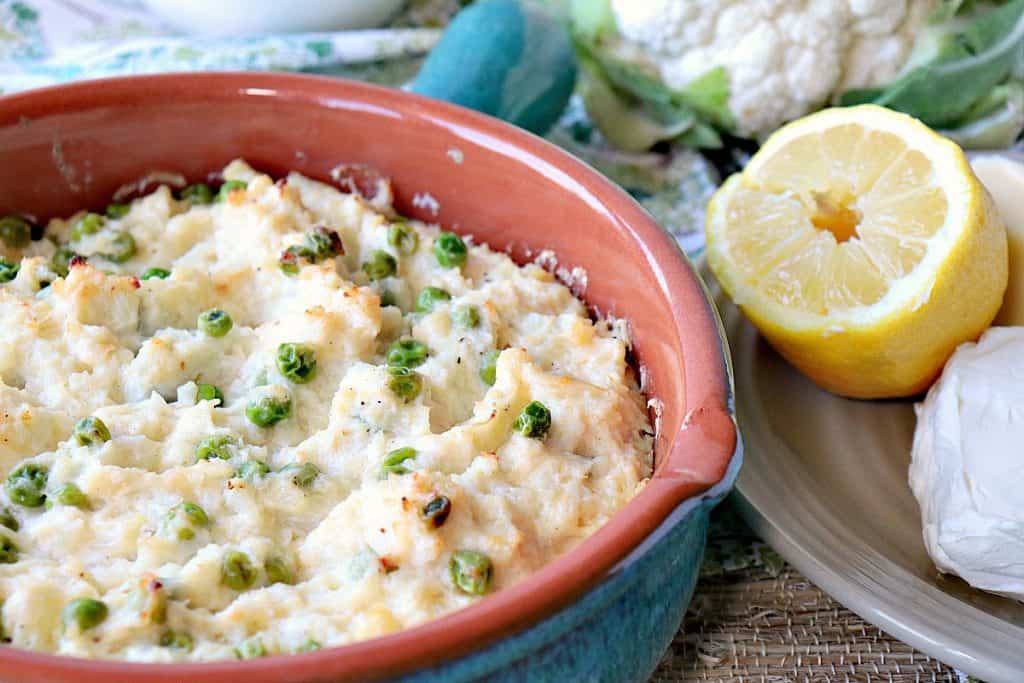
<point x="863" y="247"/>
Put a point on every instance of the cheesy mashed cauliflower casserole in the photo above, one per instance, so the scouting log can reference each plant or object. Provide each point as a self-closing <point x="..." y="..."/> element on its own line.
<point x="276" y="417"/>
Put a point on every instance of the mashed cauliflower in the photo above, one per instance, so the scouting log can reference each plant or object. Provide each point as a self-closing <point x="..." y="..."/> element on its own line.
<point x="284" y="419"/>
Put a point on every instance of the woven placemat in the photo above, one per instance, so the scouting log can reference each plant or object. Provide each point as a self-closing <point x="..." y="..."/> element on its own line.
<point x="755" y="619"/>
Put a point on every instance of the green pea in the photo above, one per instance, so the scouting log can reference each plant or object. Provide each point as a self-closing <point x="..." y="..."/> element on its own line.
<point x="26" y="484"/>
<point x="195" y="514"/>
<point x="228" y="187"/>
<point x="83" y="614"/>
<point x="176" y="640"/>
<point x="403" y="238"/>
<point x="8" y="270"/>
<point x="429" y="298"/>
<point x="156" y="273"/>
<point x="489" y="367"/>
<point x="69" y="494"/>
<point x="296" y="362"/>
<point x="61" y="261"/>
<point x="302" y="251"/>
<point x="236" y="571"/>
<point x="471" y="571"/>
<point x="91" y="431"/>
<point x="288" y="264"/>
<point x="8" y="550"/>
<point x="388" y="298"/>
<point x="406" y="384"/>
<point x="217" y="446"/>
<point x="393" y="461"/>
<point x="200" y="193"/>
<point x="89" y="224"/>
<point x="122" y="247"/>
<point x="278" y="571"/>
<point x="303" y="474"/>
<point x="380" y="265"/>
<point x="251" y="470"/>
<point x="406" y="353"/>
<point x="214" y="322"/>
<point x="15" y="231"/>
<point x="8" y="519"/>
<point x="435" y="513"/>
<point x="251" y="648"/>
<point x="291" y="259"/>
<point x="118" y="210"/>
<point x="466" y="316"/>
<point x="534" y="421"/>
<point x="269" y="407"/>
<point x="184" y="517"/>
<point x="324" y="243"/>
<point x="450" y="250"/>
<point x="308" y="645"/>
<point x="209" y="392"/>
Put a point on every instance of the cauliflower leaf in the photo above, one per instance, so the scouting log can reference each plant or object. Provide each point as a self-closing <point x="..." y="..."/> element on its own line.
<point x="998" y="123"/>
<point x="592" y="18"/>
<point x="708" y="95"/>
<point x="628" y="125"/>
<point x="971" y="49"/>
<point x="628" y="101"/>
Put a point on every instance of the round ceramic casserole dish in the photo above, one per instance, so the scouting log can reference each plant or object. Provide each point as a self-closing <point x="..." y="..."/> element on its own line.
<point x="604" y="611"/>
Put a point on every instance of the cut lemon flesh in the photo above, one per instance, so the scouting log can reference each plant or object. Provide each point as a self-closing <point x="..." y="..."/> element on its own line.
<point x="863" y="247"/>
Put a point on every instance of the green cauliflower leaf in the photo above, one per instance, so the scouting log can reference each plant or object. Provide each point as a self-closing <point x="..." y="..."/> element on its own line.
<point x="970" y="55"/>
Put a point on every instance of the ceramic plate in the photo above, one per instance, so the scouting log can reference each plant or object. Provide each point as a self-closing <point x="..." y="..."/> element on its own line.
<point x="825" y="483"/>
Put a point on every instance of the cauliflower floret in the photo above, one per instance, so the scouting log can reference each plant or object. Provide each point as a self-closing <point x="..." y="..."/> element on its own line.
<point x="881" y="39"/>
<point x="665" y="27"/>
<point x="784" y="57"/>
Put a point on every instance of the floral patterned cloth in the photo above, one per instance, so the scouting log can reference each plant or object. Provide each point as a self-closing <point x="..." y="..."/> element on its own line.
<point x="53" y="41"/>
<point x="45" y="42"/>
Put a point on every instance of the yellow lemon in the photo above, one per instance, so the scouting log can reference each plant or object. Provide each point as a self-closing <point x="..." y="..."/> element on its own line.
<point x="863" y="247"/>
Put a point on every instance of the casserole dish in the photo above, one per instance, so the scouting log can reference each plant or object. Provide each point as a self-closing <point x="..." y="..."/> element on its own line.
<point x="607" y="609"/>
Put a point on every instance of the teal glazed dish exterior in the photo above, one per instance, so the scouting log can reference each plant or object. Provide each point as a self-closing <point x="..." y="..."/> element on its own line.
<point x="608" y="609"/>
<point x="619" y="630"/>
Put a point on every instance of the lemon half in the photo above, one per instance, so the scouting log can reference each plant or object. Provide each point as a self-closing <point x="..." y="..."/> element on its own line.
<point x="863" y="247"/>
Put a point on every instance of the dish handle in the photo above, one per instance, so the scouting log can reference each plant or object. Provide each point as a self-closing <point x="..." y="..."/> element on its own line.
<point x="705" y="457"/>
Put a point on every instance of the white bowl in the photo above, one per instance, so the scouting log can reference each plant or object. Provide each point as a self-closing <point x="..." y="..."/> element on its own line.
<point x="254" y="17"/>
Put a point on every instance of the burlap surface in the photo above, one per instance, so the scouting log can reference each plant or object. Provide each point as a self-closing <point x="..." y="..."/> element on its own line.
<point x="755" y="619"/>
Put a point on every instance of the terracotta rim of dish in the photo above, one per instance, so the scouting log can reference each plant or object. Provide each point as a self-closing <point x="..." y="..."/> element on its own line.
<point x="697" y="457"/>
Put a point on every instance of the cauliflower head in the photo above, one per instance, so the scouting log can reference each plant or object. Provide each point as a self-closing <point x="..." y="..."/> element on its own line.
<point x="783" y="58"/>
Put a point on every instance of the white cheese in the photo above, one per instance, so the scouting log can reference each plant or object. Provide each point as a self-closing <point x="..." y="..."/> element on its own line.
<point x="967" y="465"/>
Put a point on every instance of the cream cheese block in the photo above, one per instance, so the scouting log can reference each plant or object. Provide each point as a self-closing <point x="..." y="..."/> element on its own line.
<point x="967" y="464"/>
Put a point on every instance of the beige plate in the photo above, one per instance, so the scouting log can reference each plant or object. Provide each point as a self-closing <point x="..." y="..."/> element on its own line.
<point x="825" y="483"/>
